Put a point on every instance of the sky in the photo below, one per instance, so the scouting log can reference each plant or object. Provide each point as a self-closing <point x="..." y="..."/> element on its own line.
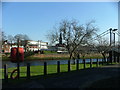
<point x="36" y="19"/>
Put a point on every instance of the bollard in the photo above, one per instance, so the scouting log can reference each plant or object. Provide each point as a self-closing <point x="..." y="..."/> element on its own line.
<point x="58" y="66"/>
<point x="68" y="65"/>
<point x="77" y="65"/>
<point x="5" y="73"/>
<point x="28" y="70"/>
<point x="45" y="68"/>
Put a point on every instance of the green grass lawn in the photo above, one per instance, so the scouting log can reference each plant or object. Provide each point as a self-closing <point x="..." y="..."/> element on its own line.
<point x="39" y="70"/>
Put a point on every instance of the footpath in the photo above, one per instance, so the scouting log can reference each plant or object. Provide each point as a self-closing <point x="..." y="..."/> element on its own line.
<point x="101" y="77"/>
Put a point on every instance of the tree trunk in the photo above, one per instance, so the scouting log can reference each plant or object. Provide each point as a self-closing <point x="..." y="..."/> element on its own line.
<point x="103" y="54"/>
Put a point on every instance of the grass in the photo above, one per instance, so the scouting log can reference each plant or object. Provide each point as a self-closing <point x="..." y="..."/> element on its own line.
<point x="39" y="70"/>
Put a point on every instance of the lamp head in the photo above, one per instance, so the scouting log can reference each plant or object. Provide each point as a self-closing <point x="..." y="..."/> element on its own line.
<point x="114" y="29"/>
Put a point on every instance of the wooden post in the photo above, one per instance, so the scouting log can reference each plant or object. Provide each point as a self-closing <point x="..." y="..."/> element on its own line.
<point x="107" y="60"/>
<point x="84" y="63"/>
<point x="118" y="59"/>
<point x="17" y="57"/>
<point x="28" y="70"/>
<point x="115" y="59"/>
<point x="5" y="73"/>
<point x="18" y="70"/>
<point x="97" y="63"/>
<point x="68" y="65"/>
<point x="58" y="66"/>
<point x="102" y="61"/>
<point x="45" y="68"/>
<point x="90" y="63"/>
<point x="77" y="65"/>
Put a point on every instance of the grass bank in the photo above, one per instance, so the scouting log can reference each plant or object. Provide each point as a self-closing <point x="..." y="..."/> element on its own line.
<point x="53" y="56"/>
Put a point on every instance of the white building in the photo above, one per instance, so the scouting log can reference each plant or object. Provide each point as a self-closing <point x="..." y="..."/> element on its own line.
<point x="37" y="45"/>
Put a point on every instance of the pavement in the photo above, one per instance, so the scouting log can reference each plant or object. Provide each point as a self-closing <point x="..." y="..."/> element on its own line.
<point x="81" y="79"/>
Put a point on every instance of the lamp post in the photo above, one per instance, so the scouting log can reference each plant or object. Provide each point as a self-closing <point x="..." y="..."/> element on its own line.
<point x="110" y="35"/>
<point x="114" y="35"/>
<point x="112" y="31"/>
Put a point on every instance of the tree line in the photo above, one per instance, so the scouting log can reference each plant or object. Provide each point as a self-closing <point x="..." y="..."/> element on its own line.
<point x="23" y="38"/>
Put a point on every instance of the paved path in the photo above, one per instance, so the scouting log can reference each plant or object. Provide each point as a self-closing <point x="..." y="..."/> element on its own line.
<point x="79" y="79"/>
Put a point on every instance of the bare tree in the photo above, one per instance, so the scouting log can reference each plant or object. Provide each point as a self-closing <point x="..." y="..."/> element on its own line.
<point x="4" y="37"/>
<point x="10" y="39"/>
<point x="23" y="40"/>
<point x="103" y="46"/>
<point x="73" y="35"/>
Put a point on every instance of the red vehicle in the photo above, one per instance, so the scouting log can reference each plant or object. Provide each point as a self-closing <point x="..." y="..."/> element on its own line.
<point x="15" y="57"/>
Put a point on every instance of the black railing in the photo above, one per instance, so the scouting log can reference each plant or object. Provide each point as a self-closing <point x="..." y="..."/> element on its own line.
<point x="98" y="63"/>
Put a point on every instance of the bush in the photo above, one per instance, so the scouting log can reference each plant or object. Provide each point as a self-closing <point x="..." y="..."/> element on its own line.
<point x="29" y="53"/>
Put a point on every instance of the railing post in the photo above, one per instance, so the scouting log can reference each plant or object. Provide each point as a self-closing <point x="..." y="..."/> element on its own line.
<point x="118" y="59"/>
<point x="97" y="63"/>
<point x="115" y="59"/>
<point x="84" y="63"/>
<point x="90" y="63"/>
<point x="77" y="65"/>
<point x="107" y="60"/>
<point x="45" y="68"/>
<point x="102" y="61"/>
<point x="5" y="73"/>
<point x="28" y="70"/>
<point x="18" y="70"/>
<point x="68" y="65"/>
<point x="58" y="66"/>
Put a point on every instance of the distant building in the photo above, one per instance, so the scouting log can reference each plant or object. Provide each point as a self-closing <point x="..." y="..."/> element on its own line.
<point x="30" y="45"/>
<point x="61" y="46"/>
<point x="37" y="45"/>
<point x="6" y="47"/>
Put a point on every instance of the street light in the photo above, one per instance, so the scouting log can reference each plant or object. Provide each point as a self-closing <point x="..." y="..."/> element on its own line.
<point x="114" y="35"/>
<point x="112" y="31"/>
